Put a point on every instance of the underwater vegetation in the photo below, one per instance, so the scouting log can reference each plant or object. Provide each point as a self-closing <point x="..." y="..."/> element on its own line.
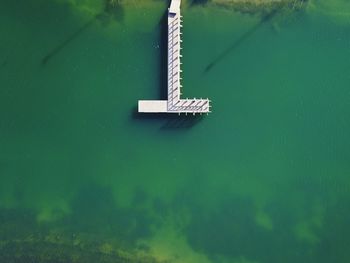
<point x="96" y="231"/>
<point x="261" y="6"/>
<point x="336" y="10"/>
<point x="94" y="209"/>
<point x="253" y="6"/>
<point x="232" y="230"/>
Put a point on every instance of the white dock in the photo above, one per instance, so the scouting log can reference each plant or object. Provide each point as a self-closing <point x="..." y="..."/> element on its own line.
<point x="174" y="104"/>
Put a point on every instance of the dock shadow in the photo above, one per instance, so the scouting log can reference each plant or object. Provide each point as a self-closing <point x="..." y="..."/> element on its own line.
<point x="163" y="57"/>
<point x="169" y="121"/>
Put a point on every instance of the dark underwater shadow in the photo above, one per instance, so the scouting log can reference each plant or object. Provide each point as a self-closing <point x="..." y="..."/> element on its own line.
<point x="163" y="57"/>
<point x="169" y="121"/>
<point x="231" y="231"/>
<point x="94" y="211"/>
<point x="112" y="11"/>
<point x="237" y="43"/>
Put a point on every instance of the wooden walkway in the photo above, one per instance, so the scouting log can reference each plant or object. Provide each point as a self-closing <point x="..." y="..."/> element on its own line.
<point x="174" y="104"/>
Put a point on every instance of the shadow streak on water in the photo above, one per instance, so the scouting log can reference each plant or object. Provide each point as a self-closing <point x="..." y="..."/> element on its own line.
<point x="110" y="11"/>
<point x="170" y="121"/>
<point x="62" y="45"/>
<point x="266" y="18"/>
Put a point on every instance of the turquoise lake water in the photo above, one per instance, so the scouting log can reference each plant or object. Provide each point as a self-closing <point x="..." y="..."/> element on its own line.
<point x="264" y="178"/>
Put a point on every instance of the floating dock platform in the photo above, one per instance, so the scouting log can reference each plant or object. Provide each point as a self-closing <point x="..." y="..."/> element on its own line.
<point x="174" y="104"/>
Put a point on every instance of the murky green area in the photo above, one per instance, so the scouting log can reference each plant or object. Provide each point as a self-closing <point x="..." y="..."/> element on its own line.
<point x="83" y="178"/>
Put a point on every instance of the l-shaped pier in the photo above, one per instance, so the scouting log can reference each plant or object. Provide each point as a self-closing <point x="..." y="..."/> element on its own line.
<point x="174" y="103"/>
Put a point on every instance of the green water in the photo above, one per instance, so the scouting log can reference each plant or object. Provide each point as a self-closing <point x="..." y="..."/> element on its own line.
<point x="263" y="178"/>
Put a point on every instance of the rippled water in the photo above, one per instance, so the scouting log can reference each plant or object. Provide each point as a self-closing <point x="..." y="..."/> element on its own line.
<point x="264" y="178"/>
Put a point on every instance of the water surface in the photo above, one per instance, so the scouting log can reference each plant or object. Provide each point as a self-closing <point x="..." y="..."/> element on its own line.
<point x="264" y="178"/>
